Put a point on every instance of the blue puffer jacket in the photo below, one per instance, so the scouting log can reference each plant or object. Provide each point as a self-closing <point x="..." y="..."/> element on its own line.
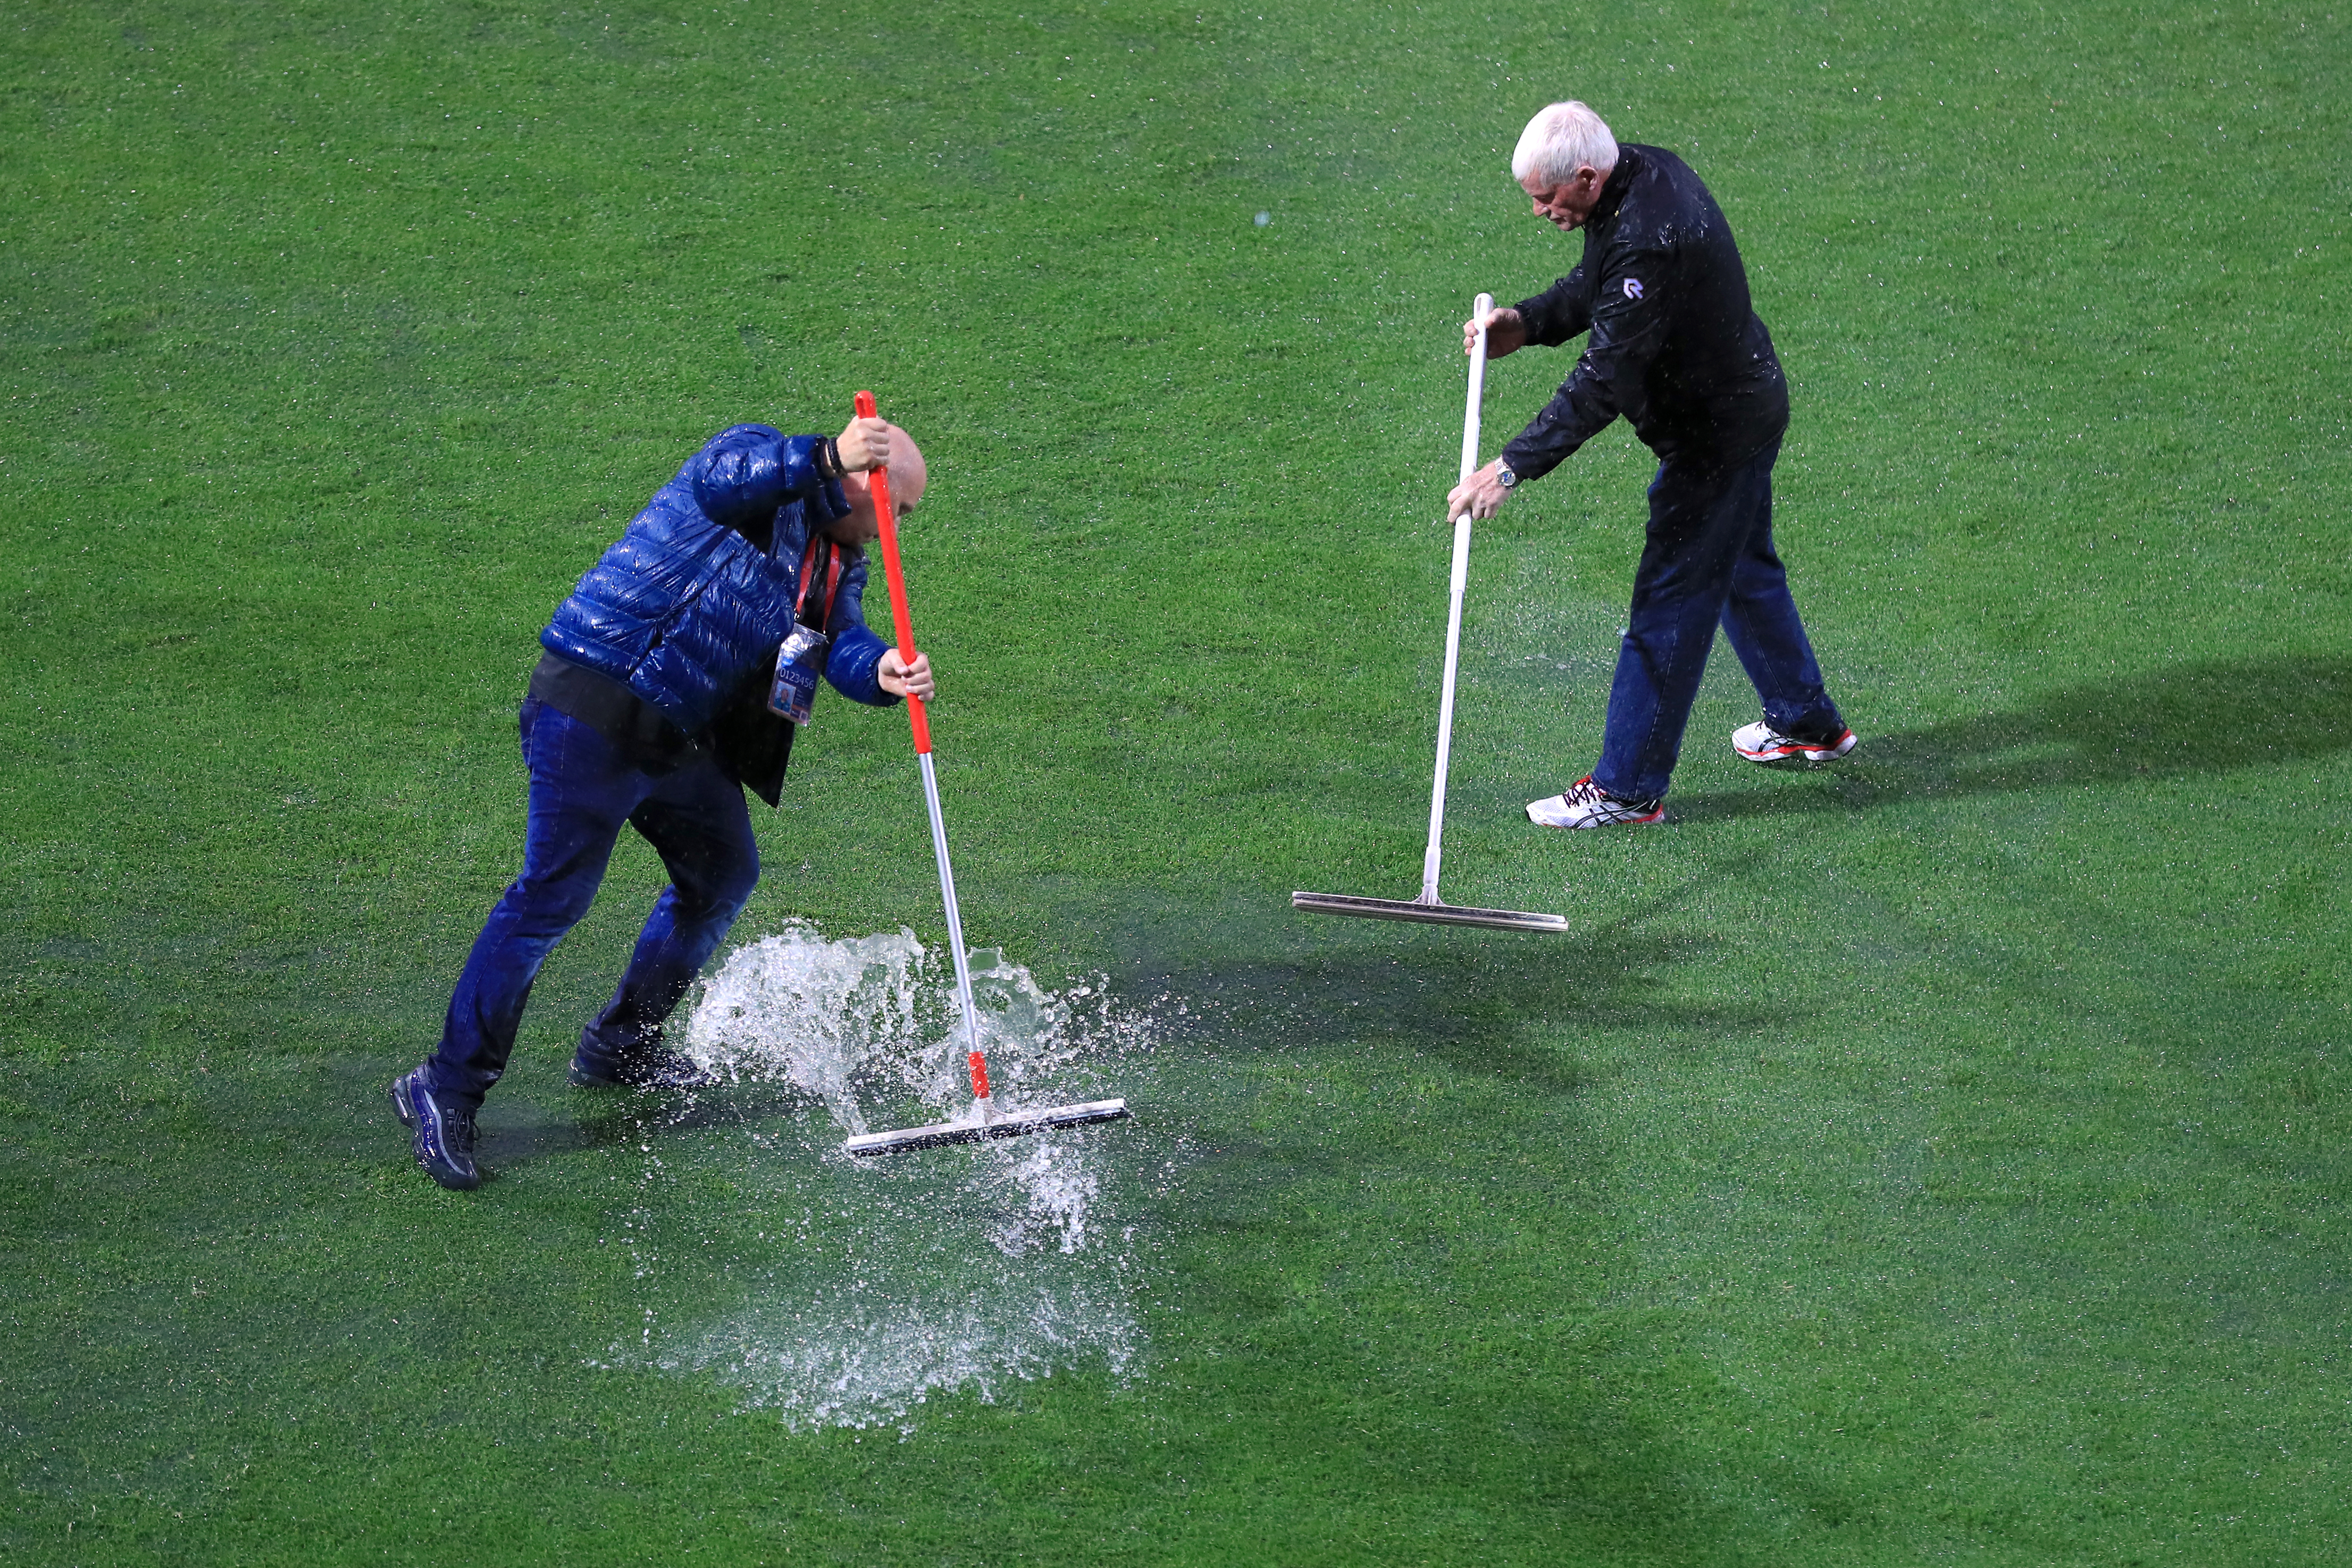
<point x="694" y="598"/>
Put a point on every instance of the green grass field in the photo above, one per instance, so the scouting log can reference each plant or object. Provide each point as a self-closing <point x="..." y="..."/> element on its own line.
<point x="1936" y="1158"/>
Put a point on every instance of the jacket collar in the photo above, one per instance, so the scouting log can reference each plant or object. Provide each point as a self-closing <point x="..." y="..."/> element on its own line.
<point x="1612" y="190"/>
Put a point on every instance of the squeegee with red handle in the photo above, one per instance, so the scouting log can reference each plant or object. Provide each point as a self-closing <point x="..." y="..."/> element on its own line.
<point x="987" y="1121"/>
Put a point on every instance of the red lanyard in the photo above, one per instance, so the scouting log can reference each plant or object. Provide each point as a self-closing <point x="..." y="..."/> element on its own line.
<point x="832" y="579"/>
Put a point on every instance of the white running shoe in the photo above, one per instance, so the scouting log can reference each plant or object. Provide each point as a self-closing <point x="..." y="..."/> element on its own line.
<point x="1584" y="804"/>
<point x="1760" y="742"/>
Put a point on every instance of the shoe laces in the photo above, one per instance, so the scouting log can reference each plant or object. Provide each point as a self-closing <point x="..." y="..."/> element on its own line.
<point x="1584" y="791"/>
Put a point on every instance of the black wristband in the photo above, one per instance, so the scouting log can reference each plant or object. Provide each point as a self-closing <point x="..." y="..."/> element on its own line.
<point x="828" y="458"/>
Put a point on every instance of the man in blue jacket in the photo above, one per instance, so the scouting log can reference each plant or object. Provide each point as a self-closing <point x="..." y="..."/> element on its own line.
<point x="656" y="700"/>
<point x="1676" y="348"/>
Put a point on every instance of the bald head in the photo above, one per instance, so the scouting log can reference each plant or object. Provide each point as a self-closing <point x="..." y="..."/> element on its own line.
<point x="908" y="475"/>
<point x="908" y="478"/>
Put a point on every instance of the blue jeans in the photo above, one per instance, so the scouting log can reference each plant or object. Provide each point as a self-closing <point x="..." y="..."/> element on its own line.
<point x="1708" y="562"/>
<point x="581" y="794"/>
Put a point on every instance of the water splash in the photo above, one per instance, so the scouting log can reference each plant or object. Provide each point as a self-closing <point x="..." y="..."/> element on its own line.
<point x="838" y="1364"/>
<point x="865" y="1018"/>
<point x="817" y="1014"/>
<point x="902" y="1279"/>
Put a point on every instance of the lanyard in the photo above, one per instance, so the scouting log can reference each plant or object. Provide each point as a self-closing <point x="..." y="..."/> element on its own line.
<point x="832" y="579"/>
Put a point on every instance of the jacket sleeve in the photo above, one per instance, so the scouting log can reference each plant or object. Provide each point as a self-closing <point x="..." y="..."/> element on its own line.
<point x="853" y="664"/>
<point x="1629" y="325"/>
<point x="747" y="472"/>
<point x="1560" y="312"/>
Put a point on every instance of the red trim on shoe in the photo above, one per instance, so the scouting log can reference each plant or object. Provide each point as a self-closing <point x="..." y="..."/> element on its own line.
<point x="1783" y="747"/>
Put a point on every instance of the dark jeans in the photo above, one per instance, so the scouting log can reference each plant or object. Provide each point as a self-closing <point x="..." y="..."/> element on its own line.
<point x="581" y="793"/>
<point x="1708" y="562"/>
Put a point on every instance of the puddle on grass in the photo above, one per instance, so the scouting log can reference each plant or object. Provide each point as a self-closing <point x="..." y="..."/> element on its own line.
<point x="858" y="1291"/>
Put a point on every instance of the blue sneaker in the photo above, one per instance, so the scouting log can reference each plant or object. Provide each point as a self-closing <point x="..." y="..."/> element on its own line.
<point x="596" y="1065"/>
<point x="444" y="1134"/>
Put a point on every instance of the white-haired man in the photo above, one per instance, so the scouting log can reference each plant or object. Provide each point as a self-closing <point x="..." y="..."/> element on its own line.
<point x="1677" y="349"/>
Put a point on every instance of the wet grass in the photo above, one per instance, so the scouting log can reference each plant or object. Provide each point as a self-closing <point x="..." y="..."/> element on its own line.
<point x="1940" y="1156"/>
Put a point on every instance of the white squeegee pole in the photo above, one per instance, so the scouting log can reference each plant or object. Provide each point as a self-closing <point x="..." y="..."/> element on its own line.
<point x="886" y="521"/>
<point x="948" y="896"/>
<point x="1429" y="860"/>
<point x="1456" y="587"/>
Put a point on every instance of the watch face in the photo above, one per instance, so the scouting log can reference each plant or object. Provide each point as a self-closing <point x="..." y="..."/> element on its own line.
<point x="1506" y="478"/>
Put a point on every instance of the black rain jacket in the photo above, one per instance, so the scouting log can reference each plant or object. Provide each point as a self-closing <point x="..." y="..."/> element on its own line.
<point x="1676" y="347"/>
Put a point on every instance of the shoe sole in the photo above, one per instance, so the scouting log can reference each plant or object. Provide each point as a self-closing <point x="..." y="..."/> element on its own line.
<point x="1810" y="753"/>
<point x="1651" y="819"/>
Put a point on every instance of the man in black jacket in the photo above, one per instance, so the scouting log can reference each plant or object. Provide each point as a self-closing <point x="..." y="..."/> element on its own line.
<point x="1677" y="349"/>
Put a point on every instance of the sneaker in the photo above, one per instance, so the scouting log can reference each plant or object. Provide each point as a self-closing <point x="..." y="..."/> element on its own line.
<point x="593" y="1067"/>
<point x="445" y="1134"/>
<point x="1760" y="742"/>
<point x="1585" y="804"/>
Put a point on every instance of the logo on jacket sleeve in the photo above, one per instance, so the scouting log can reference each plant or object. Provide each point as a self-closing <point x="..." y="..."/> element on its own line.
<point x="1633" y="288"/>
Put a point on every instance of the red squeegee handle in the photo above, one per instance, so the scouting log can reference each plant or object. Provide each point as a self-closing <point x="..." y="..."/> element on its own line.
<point x="899" y="619"/>
<point x="979" y="1065"/>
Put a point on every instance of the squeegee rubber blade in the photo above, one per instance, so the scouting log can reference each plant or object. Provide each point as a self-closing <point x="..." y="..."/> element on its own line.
<point x="1014" y="1124"/>
<point x="1055" y="1117"/>
<point x="1428" y="913"/>
<point x="914" y="1138"/>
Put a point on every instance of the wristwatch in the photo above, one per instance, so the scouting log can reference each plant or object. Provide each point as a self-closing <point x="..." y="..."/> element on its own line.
<point x="1504" y="476"/>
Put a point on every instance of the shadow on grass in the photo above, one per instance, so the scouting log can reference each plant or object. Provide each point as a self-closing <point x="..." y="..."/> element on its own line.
<point x="2175" y="723"/>
<point x="519" y="1131"/>
<point x="1484" y="1001"/>
<point x="1470" y="1000"/>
